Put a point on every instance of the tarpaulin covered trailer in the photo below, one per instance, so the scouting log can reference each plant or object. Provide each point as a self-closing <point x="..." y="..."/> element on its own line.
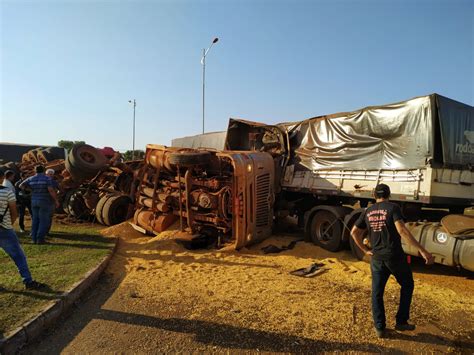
<point x="423" y="147"/>
<point x="406" y="135"/>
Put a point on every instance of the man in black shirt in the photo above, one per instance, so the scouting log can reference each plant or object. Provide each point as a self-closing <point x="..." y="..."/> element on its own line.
<point x="386" y="228"/>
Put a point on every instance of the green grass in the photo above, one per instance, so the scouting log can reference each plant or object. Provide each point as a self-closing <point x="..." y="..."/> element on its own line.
<point x="73" y="250"/>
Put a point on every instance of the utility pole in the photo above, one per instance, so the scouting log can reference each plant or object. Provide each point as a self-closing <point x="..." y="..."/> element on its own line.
<point x="134" y="102"/>
<point x="203" y="62"/>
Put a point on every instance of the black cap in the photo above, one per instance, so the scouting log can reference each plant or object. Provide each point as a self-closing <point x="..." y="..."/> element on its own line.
<point x="382" y="191"/>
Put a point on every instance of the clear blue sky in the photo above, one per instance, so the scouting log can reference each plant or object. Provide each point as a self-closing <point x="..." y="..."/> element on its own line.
<point x="68" y="68"/>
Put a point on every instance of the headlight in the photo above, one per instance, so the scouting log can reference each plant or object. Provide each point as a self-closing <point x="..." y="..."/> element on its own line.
<point x="441" y="238"/>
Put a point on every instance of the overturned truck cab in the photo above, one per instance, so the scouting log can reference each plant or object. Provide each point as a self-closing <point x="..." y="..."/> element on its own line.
<point x="224" y="196"/>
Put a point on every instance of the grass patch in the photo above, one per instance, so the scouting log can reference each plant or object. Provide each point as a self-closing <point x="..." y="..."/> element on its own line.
<point x="73" y="250"/>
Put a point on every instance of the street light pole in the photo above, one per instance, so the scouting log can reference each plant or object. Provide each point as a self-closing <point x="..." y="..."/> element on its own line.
<point x="134" y="102"/>
<point x="203" y="62"/>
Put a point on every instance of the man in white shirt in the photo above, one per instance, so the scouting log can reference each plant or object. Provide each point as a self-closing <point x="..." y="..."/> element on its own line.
<point x="8" y="180"/>
<point x="8" y="238"/>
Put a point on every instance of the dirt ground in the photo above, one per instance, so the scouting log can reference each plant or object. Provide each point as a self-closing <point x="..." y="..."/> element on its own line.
<point x="157" y="296"/>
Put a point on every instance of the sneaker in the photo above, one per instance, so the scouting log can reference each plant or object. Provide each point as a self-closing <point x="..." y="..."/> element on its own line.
<point x="405" y="326"/>
<point x="380" y="333"/>
<point x="35" y="285"/>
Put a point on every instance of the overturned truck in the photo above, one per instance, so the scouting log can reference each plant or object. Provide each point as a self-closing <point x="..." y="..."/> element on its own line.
<point x="322" y="171"/>
<point x="222" y="196"/>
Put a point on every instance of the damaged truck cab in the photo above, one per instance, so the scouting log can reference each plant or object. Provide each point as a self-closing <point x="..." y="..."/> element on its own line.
<point x="226" y="196"/>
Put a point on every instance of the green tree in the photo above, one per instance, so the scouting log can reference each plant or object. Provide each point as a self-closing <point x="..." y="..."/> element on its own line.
<point x="68" y="144"/>
<point x="139" y="154"/>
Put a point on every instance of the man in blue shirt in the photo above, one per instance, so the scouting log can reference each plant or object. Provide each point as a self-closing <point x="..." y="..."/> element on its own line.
<point x="43" y="201"/>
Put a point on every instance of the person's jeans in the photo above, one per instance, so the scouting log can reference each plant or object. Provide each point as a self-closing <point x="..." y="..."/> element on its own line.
<point x="381" y="271"/>
<point x="41" y="219"/>
<point x="22" y="206"/>
<point x="9" y="242"/>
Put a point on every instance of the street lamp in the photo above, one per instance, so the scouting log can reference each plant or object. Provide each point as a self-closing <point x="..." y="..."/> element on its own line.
<point x="134" y="102"/>
<point x="203" y="62"/>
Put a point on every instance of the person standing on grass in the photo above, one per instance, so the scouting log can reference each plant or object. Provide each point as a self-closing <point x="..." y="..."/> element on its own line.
<point x="9" y="240"/>
<point x="43" y="201"/>
<point x="23" y="198"/>
<point x="386" y="228"/>
<point x="50" y="174"/>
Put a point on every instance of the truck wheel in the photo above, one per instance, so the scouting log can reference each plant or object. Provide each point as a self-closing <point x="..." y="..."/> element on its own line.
<point x="76" y="174"/>
<point x="115" y="210"/>
<point x="100" y="207"/>
<point x="187" y="158"/>
<point x="87" y="158"/>
<point x="356" y="251"/>
<point x="326" y="230"/>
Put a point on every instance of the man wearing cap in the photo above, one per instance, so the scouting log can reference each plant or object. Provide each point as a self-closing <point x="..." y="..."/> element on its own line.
<point x="9" y="240"/>
<point x="43" y="200"/>
<point x="385" y="226"/>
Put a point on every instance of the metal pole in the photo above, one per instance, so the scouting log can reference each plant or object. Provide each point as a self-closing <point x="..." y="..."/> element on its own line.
<point x="133" y="147"/>
<point x="203" y="84"/>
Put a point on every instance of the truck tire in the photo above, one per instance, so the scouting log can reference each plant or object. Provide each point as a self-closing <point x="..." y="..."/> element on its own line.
<point x="350" y="221"/>
<point x="87" y="158"/>
<point x="100" y="206"/>
<point x="356" y="251"/>
<point x="326" y="230"/>
<point x="187" y="158"/>
<point x="115" y="209"/>
<point x="76" y="174"/>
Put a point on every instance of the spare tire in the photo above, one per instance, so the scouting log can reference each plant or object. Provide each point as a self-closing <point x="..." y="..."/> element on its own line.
<point x="189" y="158"/>
<point x="115" y="209"/>
<point x="76" y="174"/>
<point x="87" y="158"/>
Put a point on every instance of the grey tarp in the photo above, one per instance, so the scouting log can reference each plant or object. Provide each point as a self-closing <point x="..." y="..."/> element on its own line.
<point x="404" y="135"/>
<point x="213" y="140"/>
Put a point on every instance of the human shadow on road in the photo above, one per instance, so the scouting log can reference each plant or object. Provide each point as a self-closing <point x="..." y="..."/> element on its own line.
<point x="229" y="336"/>
<point x="431" y="339"/>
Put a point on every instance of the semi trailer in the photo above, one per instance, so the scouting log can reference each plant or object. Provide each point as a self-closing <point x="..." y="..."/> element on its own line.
<point x="327" y="167"/>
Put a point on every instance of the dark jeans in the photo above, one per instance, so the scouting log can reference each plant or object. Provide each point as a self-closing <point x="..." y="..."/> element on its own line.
<point x="41" y="220"/>
<point x="381" y="271"/>
<point x="9" y="242"/>
<point x="22" y="206"/>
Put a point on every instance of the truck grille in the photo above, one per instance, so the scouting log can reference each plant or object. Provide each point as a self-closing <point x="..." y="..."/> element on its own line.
<point x="262" y="206"/>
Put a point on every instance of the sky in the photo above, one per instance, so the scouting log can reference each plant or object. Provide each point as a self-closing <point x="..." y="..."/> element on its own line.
<point x="68" y="68"/>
